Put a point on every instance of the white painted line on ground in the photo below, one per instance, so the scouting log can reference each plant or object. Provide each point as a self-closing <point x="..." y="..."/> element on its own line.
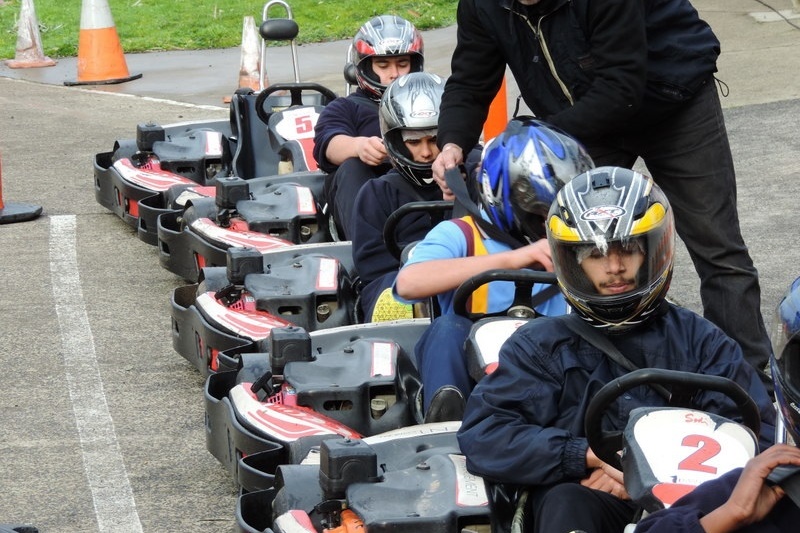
<point x="114" y="506"/>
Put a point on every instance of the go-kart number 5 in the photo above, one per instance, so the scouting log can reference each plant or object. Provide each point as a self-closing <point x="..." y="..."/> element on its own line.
<point x="303" y="124"/>
<point x="707" y="448"/>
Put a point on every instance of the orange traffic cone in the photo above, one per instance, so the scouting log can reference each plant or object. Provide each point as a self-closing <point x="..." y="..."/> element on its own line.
<point x="13" y="212"/>
<point x="497" y="120"/>
<point x="101" y="60"/>
<point x="250" y="62"/>
<point x="29" y="52"/>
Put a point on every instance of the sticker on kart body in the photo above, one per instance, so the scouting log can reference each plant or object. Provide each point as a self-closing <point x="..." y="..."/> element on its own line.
<point x="150" y="177"/>
<point x="384" y="355"/>
<point x="213" y="143"/>
<point x="470" y="489"/>
<point x="255" y="325"/>
<point x="252" y="239"/>
<point x="286" y="422"/>
<point x="305" y="202"/>
<point x="490" y="336"/>
<point x="193" y="193"/>
<point x="328" y="274"/>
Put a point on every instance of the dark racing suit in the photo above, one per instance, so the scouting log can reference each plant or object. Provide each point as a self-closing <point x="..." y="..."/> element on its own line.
<point x="356" y="116"/>
<point x="376" y="200"/>
<point x="535" y="402"/>
<point x="629" y="79"/>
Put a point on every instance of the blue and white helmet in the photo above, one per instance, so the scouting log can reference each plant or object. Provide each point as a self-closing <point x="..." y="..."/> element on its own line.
<point x="522" y="169"/>
<point x="785" y="361"/>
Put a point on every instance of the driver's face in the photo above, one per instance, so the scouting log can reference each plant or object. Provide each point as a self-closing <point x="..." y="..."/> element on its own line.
<point x="389" y="68"/>
<point x="614" y="272"/>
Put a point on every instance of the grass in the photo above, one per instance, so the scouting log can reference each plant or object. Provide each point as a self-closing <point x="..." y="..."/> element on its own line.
<point x="157" y="25"/>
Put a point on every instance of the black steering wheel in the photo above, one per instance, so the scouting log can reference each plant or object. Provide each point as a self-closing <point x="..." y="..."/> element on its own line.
<point x="390" y="226"/>
<point x="264" y="108"/>
<point x="683" y="386"/>
<point x="523" y="279"/>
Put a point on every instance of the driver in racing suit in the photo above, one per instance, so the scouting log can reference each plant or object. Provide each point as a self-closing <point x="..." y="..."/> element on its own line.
<point x="612" y="234"/>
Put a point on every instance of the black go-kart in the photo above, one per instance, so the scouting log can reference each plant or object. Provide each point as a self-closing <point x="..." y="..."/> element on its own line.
<point x="165" y="168"/>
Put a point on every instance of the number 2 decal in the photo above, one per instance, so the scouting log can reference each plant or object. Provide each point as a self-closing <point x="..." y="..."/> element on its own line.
<point x="706" y="449"/>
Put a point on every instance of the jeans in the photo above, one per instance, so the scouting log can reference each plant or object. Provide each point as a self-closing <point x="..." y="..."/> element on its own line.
<point x="688" y="155"/>
<point x="441" y="359"/>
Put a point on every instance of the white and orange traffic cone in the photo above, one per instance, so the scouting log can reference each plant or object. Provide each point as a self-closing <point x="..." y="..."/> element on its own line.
<point x="15" y="212"/>
<point x="101" y="60"/>
<point x="250" y="61"/>
<point x="29" y="53"/>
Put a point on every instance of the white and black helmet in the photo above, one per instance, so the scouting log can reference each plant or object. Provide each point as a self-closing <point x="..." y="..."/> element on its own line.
<point x="410" y="103"/>
<point x="592" y="212"/>
<point x="384" y="36"/>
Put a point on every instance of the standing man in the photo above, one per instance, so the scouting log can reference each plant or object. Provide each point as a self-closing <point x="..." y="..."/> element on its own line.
<point x="629" y="79"/>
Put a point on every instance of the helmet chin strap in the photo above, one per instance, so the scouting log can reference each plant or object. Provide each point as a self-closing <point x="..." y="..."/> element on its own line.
<point x="465" y="205"/>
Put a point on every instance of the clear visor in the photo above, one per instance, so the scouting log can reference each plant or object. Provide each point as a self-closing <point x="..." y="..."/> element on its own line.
<point x="613" y="269"/>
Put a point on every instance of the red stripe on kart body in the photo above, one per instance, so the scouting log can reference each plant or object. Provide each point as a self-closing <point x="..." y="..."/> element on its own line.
<point x="255" y="325"/>
<point x="260" y="241"/>
<point x="150" y="177"/>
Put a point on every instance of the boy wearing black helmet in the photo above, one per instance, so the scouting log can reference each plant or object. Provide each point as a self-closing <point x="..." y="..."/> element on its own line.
<point x="520" y="172"/>
<point x="612" y="235"/>
<point x="743" y="499"/>
<point x="347" y="140"/>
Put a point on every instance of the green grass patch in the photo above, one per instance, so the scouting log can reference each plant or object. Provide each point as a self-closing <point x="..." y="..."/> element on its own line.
<point x="157" y="25"/>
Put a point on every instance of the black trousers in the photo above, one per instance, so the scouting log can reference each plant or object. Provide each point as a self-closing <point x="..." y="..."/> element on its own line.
<point x="341" y="188"/>
<point x="571" y="507"/>
<point x="689" y="156"/>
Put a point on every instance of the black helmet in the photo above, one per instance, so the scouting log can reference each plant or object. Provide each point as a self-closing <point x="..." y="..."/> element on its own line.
<point x="606" y="208"/>
<point x="411" y="102"/>
<point x="384" y="36"/>
<point x="785" y="361"/>
<point x="521" y="171"/>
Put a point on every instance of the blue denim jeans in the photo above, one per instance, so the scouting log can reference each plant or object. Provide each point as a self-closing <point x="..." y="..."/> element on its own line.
<point x="441" y="359"/>
<point x="688" y="155"/>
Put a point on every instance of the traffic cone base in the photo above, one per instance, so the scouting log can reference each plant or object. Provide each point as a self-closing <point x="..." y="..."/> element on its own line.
<point x="29" y="53"/>
<point x="101" y="60"/>
<point x="16" y="212"/>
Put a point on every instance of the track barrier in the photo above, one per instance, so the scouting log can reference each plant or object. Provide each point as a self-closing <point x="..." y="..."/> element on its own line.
<point x="29" y="53"/>
<point x="15" y="212"/>
<point x="101" y="60"/>
<point x="497" y="120"/>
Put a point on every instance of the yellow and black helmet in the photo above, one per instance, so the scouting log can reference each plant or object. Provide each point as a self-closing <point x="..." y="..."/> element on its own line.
<point x="601" y="209"/>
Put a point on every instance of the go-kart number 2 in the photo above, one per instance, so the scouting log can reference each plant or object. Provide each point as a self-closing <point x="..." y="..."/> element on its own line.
<point x="707" y="448"/>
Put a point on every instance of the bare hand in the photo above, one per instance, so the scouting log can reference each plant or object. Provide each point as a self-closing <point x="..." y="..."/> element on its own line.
<point x="371" y="150"/>
<point x="535" y="254"/>
<point x="604" y="477"/>
<point x="450" y="157"/>
<point x="752" y="499"/>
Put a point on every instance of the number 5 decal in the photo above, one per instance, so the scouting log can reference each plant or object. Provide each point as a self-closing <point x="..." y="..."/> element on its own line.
<point x="303" y="124"/>
<point x="706" y="449"/>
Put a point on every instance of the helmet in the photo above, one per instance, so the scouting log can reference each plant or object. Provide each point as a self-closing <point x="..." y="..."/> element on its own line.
<point x="521" y="171"/>
<point x="605" y="208"/>
<point x="386" y="35"/>
<point x="411" y="102"/>
<point x="785" y="361"/>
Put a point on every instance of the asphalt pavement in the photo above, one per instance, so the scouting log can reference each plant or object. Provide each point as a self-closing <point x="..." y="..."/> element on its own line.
<point x="102" y="422"/>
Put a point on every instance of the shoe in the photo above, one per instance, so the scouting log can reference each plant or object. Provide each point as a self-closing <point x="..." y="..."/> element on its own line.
<point x="447" y="405"/>
<point x="387" y="308"/>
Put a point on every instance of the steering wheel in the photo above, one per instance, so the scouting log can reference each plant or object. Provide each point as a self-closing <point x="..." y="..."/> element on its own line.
<point x="264" y="109"/>
<point x="683" y="385"/>
<point x="523" y="304"/>
<point x="390" y="226"/>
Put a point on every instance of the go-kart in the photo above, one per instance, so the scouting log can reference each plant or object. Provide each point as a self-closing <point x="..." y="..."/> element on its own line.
<point x="330" y="372"/>
<point x="310" y="286"/>
<point x="269" y="132"/>
<point x="417" y="481"/>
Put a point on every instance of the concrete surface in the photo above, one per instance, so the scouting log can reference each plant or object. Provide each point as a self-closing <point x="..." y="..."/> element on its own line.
<point x="102" y="423"/>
